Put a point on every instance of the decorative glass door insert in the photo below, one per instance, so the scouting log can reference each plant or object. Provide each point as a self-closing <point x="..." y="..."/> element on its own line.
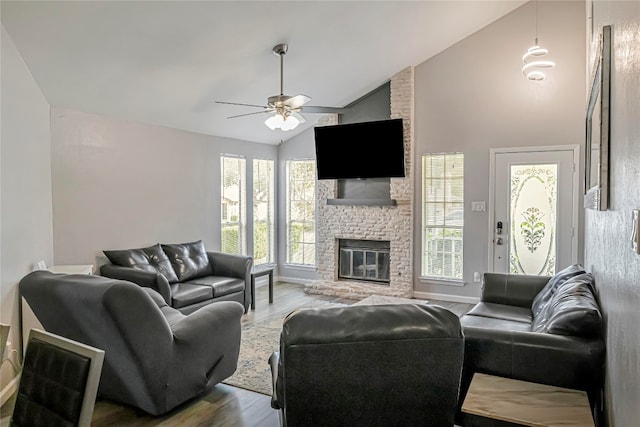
<point x="534" y="196"/>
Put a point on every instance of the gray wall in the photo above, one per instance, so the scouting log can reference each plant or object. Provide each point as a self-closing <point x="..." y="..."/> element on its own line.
<point x="608" y="253"/>
<point x="119" y="184"/>
<point x="473" y="97"/>
<point x="26" y="218"/>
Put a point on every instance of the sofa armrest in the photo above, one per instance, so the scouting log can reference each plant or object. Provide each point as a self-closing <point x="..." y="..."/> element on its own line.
<point x="512" y="289"/>
<point x="209" y="338"/>
<point x="238" y="266"/>
<point x="228" y="265"/>
<point x="142" y="278"/>
<point x="274" y="361"/>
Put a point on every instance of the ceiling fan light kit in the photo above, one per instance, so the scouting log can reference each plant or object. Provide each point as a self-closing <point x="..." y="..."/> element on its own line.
<point x="286" y="108"/>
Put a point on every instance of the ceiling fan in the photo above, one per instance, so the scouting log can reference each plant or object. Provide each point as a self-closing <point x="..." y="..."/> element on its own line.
<point x="286" y="108"/>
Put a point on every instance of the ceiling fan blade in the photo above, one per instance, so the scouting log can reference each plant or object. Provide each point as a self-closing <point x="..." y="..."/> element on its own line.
<point x="268" y="110"/>
<point x="298" y="116"/>
<point x="297" y="101"/>
<point x="321" y="110"/>
<point x="243" y="105"/>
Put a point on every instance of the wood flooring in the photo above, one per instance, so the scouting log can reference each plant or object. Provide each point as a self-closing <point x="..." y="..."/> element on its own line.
<point x="226" y="405"/>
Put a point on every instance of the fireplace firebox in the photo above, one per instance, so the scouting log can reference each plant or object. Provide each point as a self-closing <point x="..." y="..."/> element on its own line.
<point x="366" y="260"/>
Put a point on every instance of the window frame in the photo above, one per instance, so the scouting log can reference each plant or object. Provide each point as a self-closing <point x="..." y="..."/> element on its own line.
<point x="424" y="229"/>
<point x="271" y="226"/>
<point x="305" y="221"/>
<point x="241" y="223"/>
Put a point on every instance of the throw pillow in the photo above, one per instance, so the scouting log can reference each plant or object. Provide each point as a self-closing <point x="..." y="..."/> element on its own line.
<point x="572" y="310"/>
<point x="558" y="279"/>
<point x="189" y="260"/>
<point x="151" y="259"/>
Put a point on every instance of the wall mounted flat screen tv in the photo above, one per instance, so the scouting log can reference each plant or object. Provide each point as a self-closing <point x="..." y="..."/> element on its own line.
<point x="360" y="150"/>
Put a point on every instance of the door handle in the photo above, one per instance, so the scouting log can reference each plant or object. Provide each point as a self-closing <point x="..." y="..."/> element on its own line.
<point x="499" y="241"/>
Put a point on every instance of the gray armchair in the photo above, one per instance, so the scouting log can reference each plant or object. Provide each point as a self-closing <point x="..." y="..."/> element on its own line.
<point x="379" y="365"/>
<point x="155" y="356"/>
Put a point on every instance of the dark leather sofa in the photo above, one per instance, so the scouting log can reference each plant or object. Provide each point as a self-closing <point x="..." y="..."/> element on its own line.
<point x="185" y="275"/>
<point x="377" y="365"/>
<point x="155" y="357"/>
<point x="540" y="329"/>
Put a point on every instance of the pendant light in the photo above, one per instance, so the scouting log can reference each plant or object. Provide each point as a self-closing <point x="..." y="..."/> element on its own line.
<point x="533" y="65"/>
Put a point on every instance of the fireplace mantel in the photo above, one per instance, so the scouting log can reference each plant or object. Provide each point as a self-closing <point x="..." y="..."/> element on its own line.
<point x="362" y="202"/>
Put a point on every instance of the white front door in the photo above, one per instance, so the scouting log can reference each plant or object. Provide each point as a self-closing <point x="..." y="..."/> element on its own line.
<point x="534" y="210"/>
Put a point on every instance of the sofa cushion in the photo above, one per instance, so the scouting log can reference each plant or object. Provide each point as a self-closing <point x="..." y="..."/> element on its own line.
<point x="151" y="259"/>
<point x="189" y="260"/>
<point x="572" y="310"/>
<point x="221" y="285"/>
<point x="184" y="294"/>
<point x="558" y="279"/>
<point x="502" y="311"/>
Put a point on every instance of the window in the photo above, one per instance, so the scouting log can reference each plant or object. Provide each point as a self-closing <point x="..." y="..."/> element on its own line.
<point x="301" y="215"/>
<point x="263" y="206"/>
<point x="443" y="215"/>
<point x="232" y="170"/>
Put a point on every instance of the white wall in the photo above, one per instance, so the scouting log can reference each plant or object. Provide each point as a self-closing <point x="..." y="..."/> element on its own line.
<point x="26" y="218"/>
<point x="473" y="97"/>
<point x="119" y="184"/>
<point x="608" y="253"/>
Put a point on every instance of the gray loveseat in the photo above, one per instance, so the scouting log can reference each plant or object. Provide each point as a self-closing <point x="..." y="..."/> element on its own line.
<point x="546" y="330"/>
<point x="185" y="275"/>
<point x="155" y="357"/>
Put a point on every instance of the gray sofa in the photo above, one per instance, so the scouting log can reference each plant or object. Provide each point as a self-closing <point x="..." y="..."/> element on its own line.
<point x="377" y="365"/>
<point x="155" y="357"/>
<point x="546" y="330"/>
<point x="185" y="275"/>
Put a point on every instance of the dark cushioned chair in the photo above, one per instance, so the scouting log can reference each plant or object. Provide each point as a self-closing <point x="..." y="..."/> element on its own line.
<point x="378" y="365"/>
<point x="540" y="329"/>
<point x="155" y="356"/>
<point x="58" y="383"/>
<point x="186" y="275"/>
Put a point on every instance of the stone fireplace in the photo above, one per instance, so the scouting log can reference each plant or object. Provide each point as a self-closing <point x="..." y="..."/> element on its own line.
<point x="390" y="223"/>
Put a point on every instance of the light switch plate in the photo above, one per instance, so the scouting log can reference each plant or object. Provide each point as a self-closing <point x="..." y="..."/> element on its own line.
<point x="478" y="206"/>
<point x="635" y="231"/>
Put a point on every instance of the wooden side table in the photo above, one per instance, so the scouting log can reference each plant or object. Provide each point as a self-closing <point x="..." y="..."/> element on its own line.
<point x="521" y="403"/>
<point x="261" y="270"/>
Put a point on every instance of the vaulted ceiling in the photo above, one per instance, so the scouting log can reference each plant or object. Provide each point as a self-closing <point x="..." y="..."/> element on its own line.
<point x="167" y="62"/>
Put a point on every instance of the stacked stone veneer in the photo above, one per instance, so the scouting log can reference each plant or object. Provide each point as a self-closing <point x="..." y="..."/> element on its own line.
<point x="392" y="223"/>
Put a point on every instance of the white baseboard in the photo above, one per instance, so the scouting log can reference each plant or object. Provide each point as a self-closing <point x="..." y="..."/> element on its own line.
<point x="8" y="390"/>
<point x="446" y="297"/>
<point x="296" y="280"/>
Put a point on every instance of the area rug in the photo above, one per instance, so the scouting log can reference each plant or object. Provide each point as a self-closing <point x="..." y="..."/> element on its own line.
<point x="257" y="343"/>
